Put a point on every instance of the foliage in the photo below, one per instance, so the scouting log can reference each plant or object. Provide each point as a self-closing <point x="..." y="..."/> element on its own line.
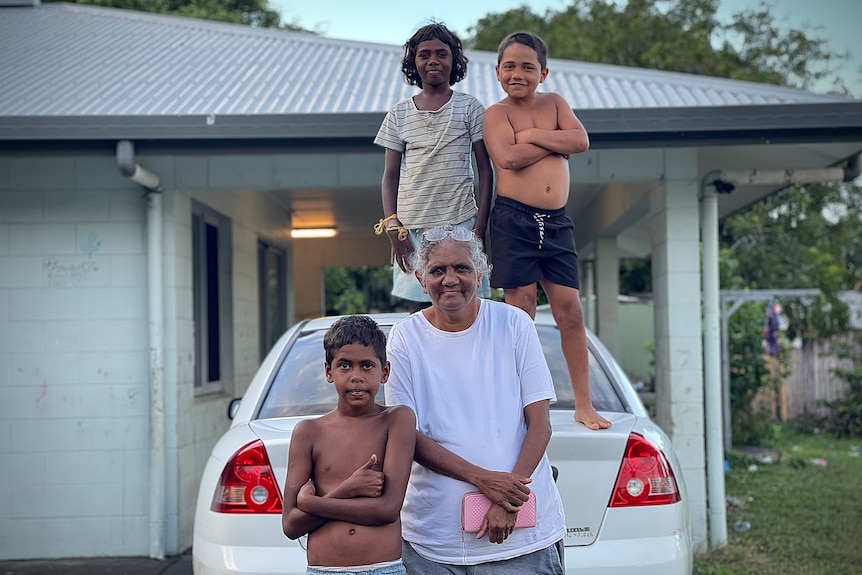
<point x="359" y="290"/>
<point x="751" y="421"/>
<point x="250" y="12"/>
<point x="845" y="419"/>
<point x="804" y="517"/>
<point x="674" y="35"/>
<point x="795" y="239"/>
<point x="635" y="276"/>
<point x="802" y="237"/>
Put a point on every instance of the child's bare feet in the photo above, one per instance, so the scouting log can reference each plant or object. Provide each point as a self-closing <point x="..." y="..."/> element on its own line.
<point x="591" y="418"/>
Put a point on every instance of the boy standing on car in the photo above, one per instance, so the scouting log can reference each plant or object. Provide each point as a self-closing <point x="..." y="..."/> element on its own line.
<point x="347" y="471"/>
<point x="530" y="136"/>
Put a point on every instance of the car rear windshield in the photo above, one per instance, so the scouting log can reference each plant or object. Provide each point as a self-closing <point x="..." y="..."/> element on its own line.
<point x="300" y="387"/>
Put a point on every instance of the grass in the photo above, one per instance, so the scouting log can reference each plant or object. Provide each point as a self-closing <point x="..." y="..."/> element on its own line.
<point x="805" y="519"/>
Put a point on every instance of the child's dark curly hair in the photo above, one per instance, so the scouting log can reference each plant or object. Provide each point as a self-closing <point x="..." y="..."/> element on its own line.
<point x="433" y="31"/>
<point x="359" y="329"/>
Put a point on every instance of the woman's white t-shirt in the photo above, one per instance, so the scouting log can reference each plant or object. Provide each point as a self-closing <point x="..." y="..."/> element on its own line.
<point x="468" y="390"/>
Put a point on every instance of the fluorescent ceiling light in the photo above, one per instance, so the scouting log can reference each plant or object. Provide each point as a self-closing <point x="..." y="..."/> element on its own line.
<point x="305" y="233"/>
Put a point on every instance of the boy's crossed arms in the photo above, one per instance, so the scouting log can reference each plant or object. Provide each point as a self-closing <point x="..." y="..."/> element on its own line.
<point x="514" y="142"/>
<point x="318" y="499"/>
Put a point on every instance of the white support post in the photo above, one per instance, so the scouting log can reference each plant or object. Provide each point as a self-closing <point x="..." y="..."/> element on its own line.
<point x="712" y="372"/>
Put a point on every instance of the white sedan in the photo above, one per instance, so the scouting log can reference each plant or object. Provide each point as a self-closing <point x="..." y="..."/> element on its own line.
<point x="622" y="488"/>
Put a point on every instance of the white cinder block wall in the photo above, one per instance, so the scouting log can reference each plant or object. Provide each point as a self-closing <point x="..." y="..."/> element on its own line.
<point x="73" y="360"/>
<point x="74" y="411"/>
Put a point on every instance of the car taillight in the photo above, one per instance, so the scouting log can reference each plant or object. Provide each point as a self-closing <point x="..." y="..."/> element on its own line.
<point x="247" y="484"/>
<point x="645" y="476"/>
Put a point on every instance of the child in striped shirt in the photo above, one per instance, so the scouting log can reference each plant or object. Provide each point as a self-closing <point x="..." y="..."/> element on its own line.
<point x="430" y="140"/>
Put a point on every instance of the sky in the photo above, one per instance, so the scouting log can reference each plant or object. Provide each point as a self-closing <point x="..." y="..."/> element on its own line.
<point x="393" y="22"/>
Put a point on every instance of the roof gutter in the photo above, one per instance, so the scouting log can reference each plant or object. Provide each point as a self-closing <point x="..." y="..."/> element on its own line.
<point x="158" y="479"/>
<point x="717" y="387"/>
<point x="839" y="121"/>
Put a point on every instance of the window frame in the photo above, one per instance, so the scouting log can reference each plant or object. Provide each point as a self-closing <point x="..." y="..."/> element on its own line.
<point x="211" y="294"/>
<point x="273" y="323"/>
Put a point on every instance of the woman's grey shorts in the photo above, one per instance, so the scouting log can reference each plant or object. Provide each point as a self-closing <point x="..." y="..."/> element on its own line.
<point x="547" y="561"/>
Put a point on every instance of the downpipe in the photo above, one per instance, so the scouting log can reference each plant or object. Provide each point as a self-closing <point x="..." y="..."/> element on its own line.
<point x="155" y="326"/>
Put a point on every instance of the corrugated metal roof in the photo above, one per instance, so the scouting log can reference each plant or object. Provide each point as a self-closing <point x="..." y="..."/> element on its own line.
<point x="72" y="60"/>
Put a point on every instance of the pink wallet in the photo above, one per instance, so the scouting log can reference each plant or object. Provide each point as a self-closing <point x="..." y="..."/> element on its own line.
<point x="474" y="506"/>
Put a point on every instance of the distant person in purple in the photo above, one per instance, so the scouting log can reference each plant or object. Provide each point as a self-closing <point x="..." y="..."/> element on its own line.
<point x="771" y="346"/>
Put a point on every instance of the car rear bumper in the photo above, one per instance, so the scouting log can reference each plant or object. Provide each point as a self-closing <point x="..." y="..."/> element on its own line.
<point x="649" y="556"/>
<point x="652" y="556"/>
<point x="216" y="559"/>
<point x="643" y="540"/>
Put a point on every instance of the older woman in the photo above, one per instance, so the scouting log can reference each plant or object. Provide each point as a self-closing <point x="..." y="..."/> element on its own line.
<point x="473" y="372"/>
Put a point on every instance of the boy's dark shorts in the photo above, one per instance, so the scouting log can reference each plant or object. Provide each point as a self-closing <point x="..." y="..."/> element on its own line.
<point x="529" y="244"/>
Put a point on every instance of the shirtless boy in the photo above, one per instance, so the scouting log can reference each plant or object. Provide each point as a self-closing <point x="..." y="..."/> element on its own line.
<point x="347" y="471"/>
<point x="530" y="136"/>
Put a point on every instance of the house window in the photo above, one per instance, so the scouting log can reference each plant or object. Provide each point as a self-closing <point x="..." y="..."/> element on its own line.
<point x="211" y="285"/>
<point x="273" y="299"/>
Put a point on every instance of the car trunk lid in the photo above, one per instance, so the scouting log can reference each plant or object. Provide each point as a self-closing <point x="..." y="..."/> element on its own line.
<point x="587" y="463"/>
<point x="275" y="434"/>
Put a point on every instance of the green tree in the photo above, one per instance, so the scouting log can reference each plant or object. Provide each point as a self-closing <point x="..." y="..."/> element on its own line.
<point x="249" y="12"/>
<point x="635" y="276"/>
<point x="361" y="289"/>
<point x="802" y="237"/>
<point x="750" y="423"/>
<point x="674" y="35"/>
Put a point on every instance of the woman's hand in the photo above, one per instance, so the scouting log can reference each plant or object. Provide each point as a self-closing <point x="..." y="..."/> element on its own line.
<point x="507" y="490"/>
<point x="498" y="524"/>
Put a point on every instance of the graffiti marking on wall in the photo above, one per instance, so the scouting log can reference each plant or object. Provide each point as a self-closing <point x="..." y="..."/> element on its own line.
<point x="68" y="274"/>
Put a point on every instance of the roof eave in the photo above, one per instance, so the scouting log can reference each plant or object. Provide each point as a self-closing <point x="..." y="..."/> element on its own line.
<point x="613" y="127"/>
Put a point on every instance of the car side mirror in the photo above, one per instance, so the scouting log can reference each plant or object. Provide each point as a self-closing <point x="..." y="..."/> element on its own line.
<point x="233" y="407"/>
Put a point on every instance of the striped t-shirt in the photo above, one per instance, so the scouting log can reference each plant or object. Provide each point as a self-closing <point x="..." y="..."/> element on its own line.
<point x="436" y="181"/>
